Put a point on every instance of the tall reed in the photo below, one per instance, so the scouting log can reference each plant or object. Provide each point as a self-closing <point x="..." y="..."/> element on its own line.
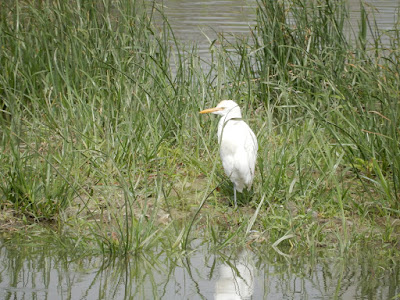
<point x="334" y="75"/>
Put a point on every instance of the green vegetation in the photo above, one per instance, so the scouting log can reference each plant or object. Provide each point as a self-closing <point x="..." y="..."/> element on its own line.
<point x="101" y="136"/>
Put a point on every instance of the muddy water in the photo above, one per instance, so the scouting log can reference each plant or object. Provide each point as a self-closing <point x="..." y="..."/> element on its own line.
<point x="200" y="22"/>
<point x="34" y="273"/>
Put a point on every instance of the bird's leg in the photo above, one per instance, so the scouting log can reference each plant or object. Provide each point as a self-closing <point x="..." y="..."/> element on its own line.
<point x="234" y="195"/>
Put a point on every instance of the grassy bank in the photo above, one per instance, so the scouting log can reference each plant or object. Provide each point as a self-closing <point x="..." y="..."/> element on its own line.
<point x="101" y="136"/>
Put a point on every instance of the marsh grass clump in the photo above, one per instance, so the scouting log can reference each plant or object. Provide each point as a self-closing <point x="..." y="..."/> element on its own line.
<point x="346" y="85"/>
<point x="333" y="96"/>
<point x="100" y="132"/>
<point x="88" y="102"/>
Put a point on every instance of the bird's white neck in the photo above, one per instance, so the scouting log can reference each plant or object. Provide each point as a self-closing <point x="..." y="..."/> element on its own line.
<point x="223" y="122"/>
<point x="232" y="113"/>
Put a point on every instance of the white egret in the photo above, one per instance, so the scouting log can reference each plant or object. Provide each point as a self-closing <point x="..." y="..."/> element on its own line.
<point x="238" y="145"/>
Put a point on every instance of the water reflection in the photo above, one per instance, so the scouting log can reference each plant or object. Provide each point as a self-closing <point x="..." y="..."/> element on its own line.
<point x="236" y="278"/>
<point x="30" y="272"/>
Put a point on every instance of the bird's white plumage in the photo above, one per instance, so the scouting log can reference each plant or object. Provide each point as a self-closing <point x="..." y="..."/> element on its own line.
<point x="238" y="145"/>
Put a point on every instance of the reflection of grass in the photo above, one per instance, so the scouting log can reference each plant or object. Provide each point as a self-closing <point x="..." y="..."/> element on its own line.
<point x="100" y="137"/>
<point x="156" y="274"/>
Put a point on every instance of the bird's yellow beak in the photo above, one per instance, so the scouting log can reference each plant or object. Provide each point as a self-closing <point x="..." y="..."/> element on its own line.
<point x="210" y="110"/>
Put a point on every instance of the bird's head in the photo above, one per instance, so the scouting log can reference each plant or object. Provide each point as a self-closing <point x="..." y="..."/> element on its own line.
<point x="228" y="108"/>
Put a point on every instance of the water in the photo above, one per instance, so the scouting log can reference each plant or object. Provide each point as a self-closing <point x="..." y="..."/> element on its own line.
<point x="200" y="22"/>
<point x="28" y="272"/>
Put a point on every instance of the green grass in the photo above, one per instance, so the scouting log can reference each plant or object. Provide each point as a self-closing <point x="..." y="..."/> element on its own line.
<point x="101" y="136"/>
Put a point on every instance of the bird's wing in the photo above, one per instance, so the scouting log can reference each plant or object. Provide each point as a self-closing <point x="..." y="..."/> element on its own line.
<point x="251" y="148"/>
<point x="246" y="155"/>
<point x="238" y="149"/>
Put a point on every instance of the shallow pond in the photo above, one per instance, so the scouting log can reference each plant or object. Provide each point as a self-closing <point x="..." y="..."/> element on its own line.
<point x="200" y="22"/>
<point x="28" y="272"/>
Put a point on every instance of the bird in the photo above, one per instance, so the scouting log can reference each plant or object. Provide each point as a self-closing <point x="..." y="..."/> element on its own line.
<point x="238" y="145"/>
